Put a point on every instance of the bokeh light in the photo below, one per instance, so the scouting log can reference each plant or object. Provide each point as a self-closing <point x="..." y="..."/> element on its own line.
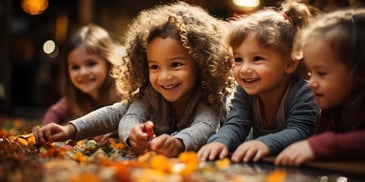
<point x="34" y="7"/>
<point x="50" y="48"/>
<point x="247" y="3"/>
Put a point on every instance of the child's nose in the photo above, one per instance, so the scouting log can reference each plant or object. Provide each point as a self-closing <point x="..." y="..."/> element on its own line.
<point x="246" y="68"/>
<point x="84" y="70"/>
<point x="312" y="83"/>
<point x="165" y="75"/>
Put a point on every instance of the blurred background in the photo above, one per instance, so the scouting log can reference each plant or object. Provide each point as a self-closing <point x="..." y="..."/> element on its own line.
<point x="32" y="33"/>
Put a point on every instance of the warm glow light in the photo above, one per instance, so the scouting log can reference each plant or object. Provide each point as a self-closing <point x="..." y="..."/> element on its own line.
<point x="61" y="27"/>
<point x="34" y="7"/>
<point x="246" y="3"/>
<point x="50" y="48"/>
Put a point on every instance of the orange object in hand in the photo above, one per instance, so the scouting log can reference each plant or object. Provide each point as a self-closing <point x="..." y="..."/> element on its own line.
<point x="148" y="128"/>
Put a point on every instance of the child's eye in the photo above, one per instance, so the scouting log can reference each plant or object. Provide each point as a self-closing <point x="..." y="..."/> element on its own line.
<point x="238" y="59"/>
<point x="321" y="74"/>
<point x="91" y="64"/>
<point x="176" y="64"/>
<point x="317" y="73"/>
<point x="74" y="67"/>
<point x="258" y="58"/>
<point x="153" y="67"/>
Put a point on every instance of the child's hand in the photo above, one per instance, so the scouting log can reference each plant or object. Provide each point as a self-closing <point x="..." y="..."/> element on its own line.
<point x="213" y="150"/>
<point x="138" y="137"/>
<point x="295" y="154"/>
<point x="54" y="132"/>
<point x="104" y="137"/>
<point x="148" y="128"/>
<point x="253" y="150"/>
<point x="167" y="145"/>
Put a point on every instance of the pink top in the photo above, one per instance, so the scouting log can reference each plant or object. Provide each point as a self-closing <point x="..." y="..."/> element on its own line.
<point x="339" y="137"/>
<point x="57" y="113"/>
<point x="330" y="145"/>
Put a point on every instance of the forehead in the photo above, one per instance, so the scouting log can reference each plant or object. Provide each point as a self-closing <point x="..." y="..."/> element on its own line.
<point x="319" y="54"/>
<point x="164" y="47"/>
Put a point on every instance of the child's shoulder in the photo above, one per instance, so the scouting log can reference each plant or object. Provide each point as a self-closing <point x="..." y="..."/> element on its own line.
<point x="299" y="89"/>
<point x="299" y="84"/>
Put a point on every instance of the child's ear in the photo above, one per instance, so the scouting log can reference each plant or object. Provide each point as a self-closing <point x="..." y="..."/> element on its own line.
<point x="291" y="66"/>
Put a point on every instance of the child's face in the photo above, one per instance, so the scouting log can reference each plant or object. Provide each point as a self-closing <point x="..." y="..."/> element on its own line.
<point x="172" y="71"/>
<point x="87" y="71"/>
<point x="329" y="78"/>
<point x="259" y="70"/>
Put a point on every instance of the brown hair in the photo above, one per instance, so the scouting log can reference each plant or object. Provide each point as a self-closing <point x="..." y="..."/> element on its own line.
<point x="272" y="28"/>
<point x="199" y="33"/>
<point x="97" y="41"/>
<point x="344" y="32"/>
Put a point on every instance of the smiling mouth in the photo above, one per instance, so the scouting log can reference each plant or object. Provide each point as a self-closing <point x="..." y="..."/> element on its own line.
<point x="319" y="95"/>
<point x="87" y="80"/>
<point x="169" y="86"/>
<point x="250" y="80"/>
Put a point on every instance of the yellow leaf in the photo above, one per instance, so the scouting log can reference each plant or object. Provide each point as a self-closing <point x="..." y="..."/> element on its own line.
<point x="222" y="163"/>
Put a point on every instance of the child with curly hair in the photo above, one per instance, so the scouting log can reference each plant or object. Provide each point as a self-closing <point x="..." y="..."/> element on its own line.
<point x="176" y="73"/>
<point x="182" y="70"/>
<point x="334" y="51"/>
<point x="271" y="100"/>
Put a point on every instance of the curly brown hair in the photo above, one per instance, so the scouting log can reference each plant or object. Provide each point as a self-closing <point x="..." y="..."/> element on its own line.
<point x="199" y="33"/>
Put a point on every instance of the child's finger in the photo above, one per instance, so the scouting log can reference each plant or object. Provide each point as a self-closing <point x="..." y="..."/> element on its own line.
<point x="203" y="153"/>
<point x="148" y="128"/>
<point x="258" y="156"/>
<point x="40" y="136"/>
<point x="48" y="135"/>
<point x="224" y="153"/>
<point x="159" y="142"/>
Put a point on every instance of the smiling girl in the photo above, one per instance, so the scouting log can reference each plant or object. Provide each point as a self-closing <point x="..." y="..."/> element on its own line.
<point x="333" y="50"/>
<point x="175" y="77"/>
<point x="86" y="83"/>
<point x="183" y="71"/>
<point x="272" y="102"/>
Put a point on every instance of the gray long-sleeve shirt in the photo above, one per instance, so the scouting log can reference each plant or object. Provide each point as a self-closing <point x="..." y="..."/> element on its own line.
<point x="197" y="124"/>
<point x="100" y="121"/>
<point x="199" y="121"/>
<point x="299" y="112"/>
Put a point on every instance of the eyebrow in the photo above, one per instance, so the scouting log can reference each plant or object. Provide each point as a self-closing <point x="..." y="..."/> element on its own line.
<point x="171" y="59"/>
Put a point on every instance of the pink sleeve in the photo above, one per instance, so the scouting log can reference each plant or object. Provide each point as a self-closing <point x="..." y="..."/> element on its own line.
<point x="347" y="146"/>
<point x="57" y="113"/>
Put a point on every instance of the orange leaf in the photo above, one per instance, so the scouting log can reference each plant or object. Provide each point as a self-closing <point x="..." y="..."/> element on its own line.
<point x="160" y="163"/>
<point x="22" y="141"/>
<point x="223" y="163"/>
<point x="79" y="157"/>
<point x="276" y="176"/>
<point x="189" y="157"/>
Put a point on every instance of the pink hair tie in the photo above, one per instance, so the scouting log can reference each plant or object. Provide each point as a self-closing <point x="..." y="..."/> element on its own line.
<point x="285" y="16"/>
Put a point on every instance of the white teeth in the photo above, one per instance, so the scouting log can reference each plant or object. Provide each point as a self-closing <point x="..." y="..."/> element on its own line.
<point x="249" y="80"/>
<point x="169" y="86"/>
